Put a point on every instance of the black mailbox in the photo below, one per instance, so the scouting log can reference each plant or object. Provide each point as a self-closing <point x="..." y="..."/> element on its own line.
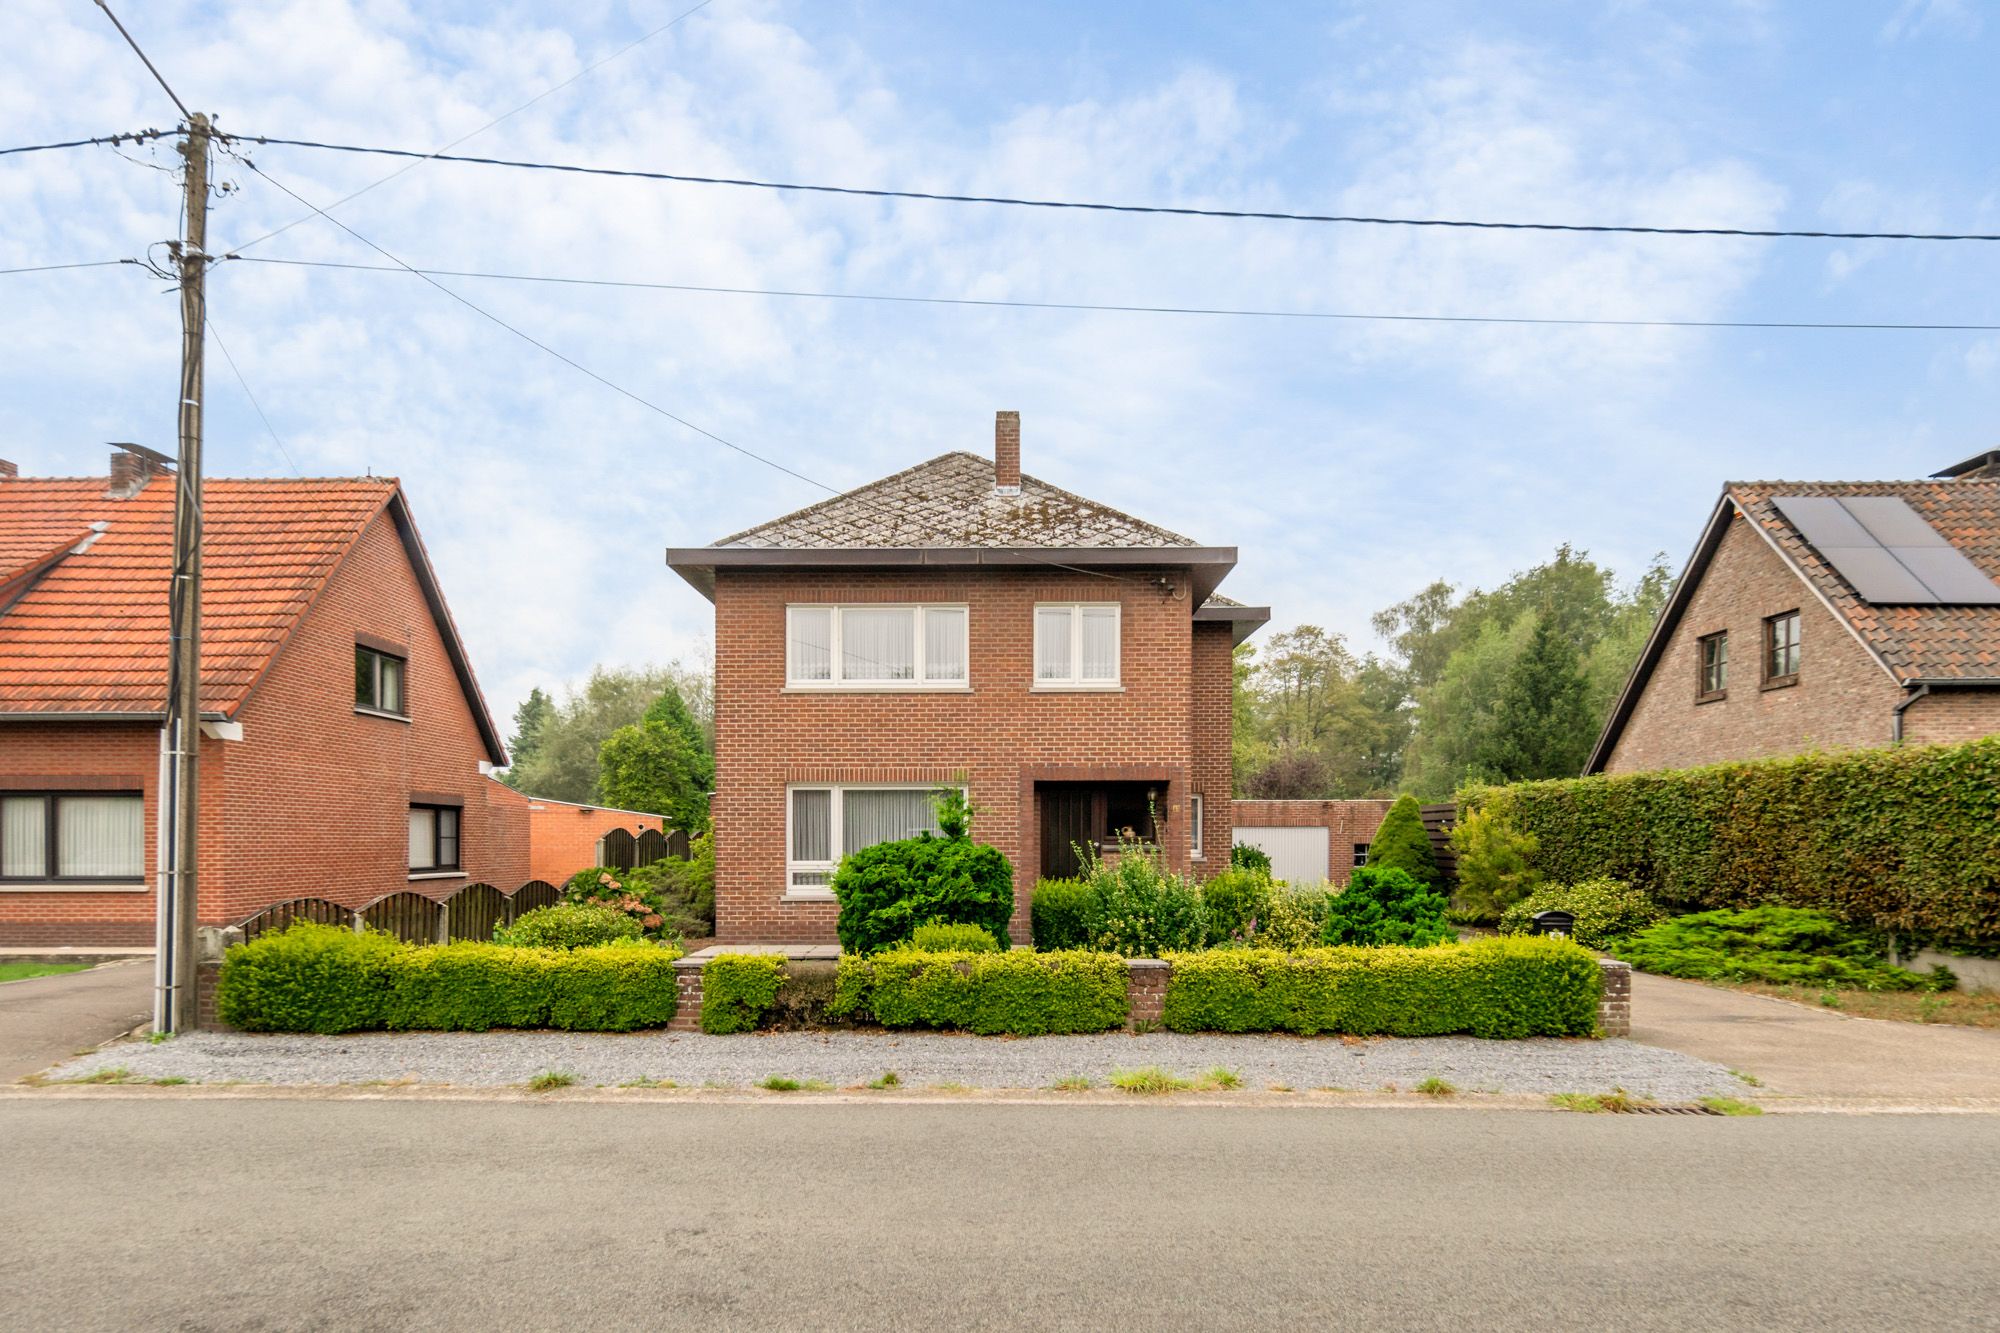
<point x="1553" y="923"/>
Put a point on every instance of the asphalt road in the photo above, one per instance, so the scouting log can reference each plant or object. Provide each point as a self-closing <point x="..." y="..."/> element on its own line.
<point x="46" y="1019"/>
<point x="166" y="1211"/>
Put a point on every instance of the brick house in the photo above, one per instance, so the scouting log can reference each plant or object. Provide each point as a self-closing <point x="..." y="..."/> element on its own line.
<point x="961" y="622"/>
<point x="1823" y="615"/>
<point x="343" y="733"/>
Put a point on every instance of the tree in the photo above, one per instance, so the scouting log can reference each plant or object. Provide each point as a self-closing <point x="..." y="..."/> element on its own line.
<point x="660" y="765"/>
<point x="1494" y="870"/>
<point x="1312" y="720"/>
<point x="1542" y="724"/>
<point x="563" y="763"/>
<point x="1402" y="843"/>
<point x="530" y="720"/>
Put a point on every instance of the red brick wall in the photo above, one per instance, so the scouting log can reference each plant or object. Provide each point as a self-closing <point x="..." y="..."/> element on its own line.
<point x="1945" y="717"/>
<point x="999" y="734"/>
<point x="1843" y="697"/>
<point x="1212" y="731"/>
<point x="1347" y="823"/>
<point x="562" y="838"/>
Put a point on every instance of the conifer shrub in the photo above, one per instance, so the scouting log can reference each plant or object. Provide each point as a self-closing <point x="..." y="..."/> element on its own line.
<point x="1386" y="905"/>
<point x="1402" y="843"/>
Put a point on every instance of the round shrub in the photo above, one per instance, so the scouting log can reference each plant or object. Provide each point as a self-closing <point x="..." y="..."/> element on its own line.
<point x="1060" y="914"/>
<point x="887" y="890"/>
<point x="1245" y="857"/>
<point x="568" y="926"/>
<point x="1385" y="905"/>
<point x="953" y="937"/>
<point x="1239" y="905"/>
<point x="1142" y="911"/>
<point x="1605" y="910"/>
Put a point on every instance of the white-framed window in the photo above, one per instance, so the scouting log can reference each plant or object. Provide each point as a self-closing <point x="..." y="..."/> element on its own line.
<point x="1076" y="645"/>
<point x="876" y="646"/>
<point x="826" y="822"/>
<point x="74" y="837"/>
<point x="1195" y="830"/>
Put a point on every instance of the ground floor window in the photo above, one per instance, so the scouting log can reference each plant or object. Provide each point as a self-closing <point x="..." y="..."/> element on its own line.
<point x="76" y="836"/>
<point x="1360" y="853"/>
<point x="434" y="837"/>
<point x="1195" y="822"/>
<point x="827" y="823"/>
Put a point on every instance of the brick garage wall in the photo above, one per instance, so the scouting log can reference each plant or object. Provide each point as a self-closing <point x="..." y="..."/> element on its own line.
<point x="999" y="734"/>
<point x="1346" y="822"/>
<point x="1946" y="717"/>
<point x="562" y="838"/>
<point x="1843" y="697"/>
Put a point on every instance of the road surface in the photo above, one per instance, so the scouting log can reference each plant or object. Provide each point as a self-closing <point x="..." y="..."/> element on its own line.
<point x="46" y="1019"/>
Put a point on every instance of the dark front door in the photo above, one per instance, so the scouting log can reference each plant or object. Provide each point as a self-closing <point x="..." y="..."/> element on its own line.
<point x="1067" y="819"/>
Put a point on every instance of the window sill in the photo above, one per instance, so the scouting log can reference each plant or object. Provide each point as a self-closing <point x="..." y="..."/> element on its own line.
<point x="808" y="896"/>
<point x="359" y="711"/>
<point x="437" y="874"/>
<point x="895" y="687"/>
<point x="1043" y="688"/>
<point x="1780" y="683"/>
<point x="1715" y="698"/>
<point x="74" y="886"/>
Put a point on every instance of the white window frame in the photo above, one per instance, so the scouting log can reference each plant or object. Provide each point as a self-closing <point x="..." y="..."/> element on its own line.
<point x="1076" y="680"/>
<point x="835" y="828"/>
<point x="1196" y="830"/>
<point x="918" y="680"/>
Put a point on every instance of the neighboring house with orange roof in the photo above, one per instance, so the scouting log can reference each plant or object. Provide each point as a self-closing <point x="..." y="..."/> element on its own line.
<point x="345" y="738"/>
<point x="1823" y="615"/>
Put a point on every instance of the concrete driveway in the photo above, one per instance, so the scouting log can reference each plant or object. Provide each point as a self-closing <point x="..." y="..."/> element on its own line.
<point x="1799" y="1051"/>
<point x="46" y="1019"/>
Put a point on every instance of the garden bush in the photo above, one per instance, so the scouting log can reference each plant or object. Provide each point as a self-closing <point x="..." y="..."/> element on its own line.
<point x="1900" y="840"/>
<point x="1243" y="856"/>
<point x="628" y="891"/>
<point x="1385" y="905"/>
<point x="888" y="890"/>
<point x="317" y="978"/>
<point x="1606" y="910"/>
<point x="1515" y="987"/>
<point x="738" y="988"/>
<point x="1238" y="903"/>
<point x="1018" y="993"/>
<point x="954" y="937"/>
<point x="1060" y="912"/>
<point x="1402" y="843"/>
<point x="1495" y="867"/>
<point x="682" y="892"/>
<point x="1140" y="909"/>
<point x="1780" y="945"/>
<point x="568" y="926"/>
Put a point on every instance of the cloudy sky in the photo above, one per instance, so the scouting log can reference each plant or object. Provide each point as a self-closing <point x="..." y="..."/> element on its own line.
<point x="1352" y="462"/>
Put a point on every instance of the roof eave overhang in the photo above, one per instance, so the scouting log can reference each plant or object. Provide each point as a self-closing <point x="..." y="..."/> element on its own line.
<point x="698" y="564"/>
<point x="1243" y="621"/>
<point x="109" y="715"/>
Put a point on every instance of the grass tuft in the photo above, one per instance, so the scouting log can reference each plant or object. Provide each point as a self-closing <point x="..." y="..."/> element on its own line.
<point x="1072" y="1083"/>
<point x="549" y="1080"/>
<point x="120" y="1074"/>
<point x="1751" y="1079"/>
<point x="1220" y="1079"/>
<point x="1731" y="1106"/>
<point x="780" y="1083"/>
<point x="1436" y="1087"/>
<point x="889" y="1079"/>
<point x="170" y="1081"/>
<point x="1151" y="1081"/>
<point x="156" y="1038"/>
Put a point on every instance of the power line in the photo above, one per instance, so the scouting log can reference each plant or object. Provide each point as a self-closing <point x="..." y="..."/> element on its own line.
<point x="157" y="76"/>
<point x="51" y="268"/>
<point x="132" y="136"/>
<point x="640" y="40"/>
<point x="615" y="387"/>
<point x="1249" y="313"/>
<point x="209" y="321"/>
<point x="1013" y="202"/>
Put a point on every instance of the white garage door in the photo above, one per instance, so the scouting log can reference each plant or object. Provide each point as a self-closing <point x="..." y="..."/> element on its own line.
<point x="1298" y="855"/>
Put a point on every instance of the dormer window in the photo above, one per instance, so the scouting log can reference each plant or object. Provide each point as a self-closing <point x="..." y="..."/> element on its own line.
<point x="875" y="647"/>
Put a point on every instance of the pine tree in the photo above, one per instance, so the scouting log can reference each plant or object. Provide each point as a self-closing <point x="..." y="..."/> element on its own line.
<point x="1542" y="722"/>
<point x="1403" y="844"/>
<point x="530" y="720"/>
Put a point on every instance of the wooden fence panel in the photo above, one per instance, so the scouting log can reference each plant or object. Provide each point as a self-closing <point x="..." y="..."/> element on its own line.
<point x="617" y="850"/>
<point x="649" y="847"/>
<point x="279" y="916"/>
<point x="535" y="893"/>
<point x="473" y="912"/>
<point x="410" y="917"/>
<point x="1438" y="822"/>
<point x="677" y="843"/>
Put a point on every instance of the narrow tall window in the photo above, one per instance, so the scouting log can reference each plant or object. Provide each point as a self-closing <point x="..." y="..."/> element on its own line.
<point x="1781" y="649"/>
<point x="1195" y="826"/>
<point x="1076" y="646"/>
<point x="1713" y="651"/>
<point x="378" y="681"/>
<point x="433" y="837"/>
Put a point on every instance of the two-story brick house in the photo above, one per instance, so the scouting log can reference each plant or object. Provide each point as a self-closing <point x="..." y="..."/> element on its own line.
<point x="1823" y="615"/>
<point x="343" y="730"/>
<point x="960" y="622"/>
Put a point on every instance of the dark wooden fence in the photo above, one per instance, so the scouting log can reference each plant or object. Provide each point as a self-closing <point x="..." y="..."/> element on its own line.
<point x="618" y="850"/>
<point x="1438" y="821"/>
<point x="469" y="914"/>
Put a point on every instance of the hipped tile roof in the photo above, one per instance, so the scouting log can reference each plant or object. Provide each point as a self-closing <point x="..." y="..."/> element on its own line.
<point x="89" y="634"/>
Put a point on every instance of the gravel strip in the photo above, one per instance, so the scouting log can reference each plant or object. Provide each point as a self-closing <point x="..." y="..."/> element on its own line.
<point x="490" y="1059"/>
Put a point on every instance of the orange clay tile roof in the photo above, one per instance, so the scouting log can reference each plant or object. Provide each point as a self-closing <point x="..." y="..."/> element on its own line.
<point x="89" y="634"/>
<point x="1916" y="642"/>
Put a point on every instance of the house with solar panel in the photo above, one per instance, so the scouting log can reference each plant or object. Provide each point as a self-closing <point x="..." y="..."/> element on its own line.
<point x="1823" y="615"/>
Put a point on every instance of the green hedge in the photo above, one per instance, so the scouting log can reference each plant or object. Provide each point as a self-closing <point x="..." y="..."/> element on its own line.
<point x="1523" y="987"/>
<point x="738" y="988"/>
<point x="1906" y="840"/>
<point x="1021" y="994"/>
<point x="314" y="978"/>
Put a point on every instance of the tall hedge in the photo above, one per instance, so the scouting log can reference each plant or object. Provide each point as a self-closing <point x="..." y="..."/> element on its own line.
<point x="1905" y="840"/>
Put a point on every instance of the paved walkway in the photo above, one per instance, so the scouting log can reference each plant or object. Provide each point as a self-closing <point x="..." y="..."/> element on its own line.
<point x="1800" y="1051"/>
<point x="46" y="1019"/>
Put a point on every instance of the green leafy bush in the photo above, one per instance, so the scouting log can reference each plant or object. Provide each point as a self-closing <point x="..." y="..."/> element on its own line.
<point x="1513" y="987"/>
<point x="315" y="978"/>
<point x="1245" y="857"/>
<point x="953" y="937"/>
<point x="1606" y="910"/>
<point x="568" y="926"/>
<point x="1900" y="840"/>
<point x="888" y="890"/>
<point x="1141" y="910"/>
<point x="1495" y="866"/>
<point x="1238" y="902"/>
<point x="1403" y="844"/>
<point x="632" y="892"/>
<point x="1774" y="944"/>
<point x="1060" y="913"/>
<point x="1385" y="905"/>
<point x="738" y="988"/>
<point x="682" y="891"/>
<point x="1019" y="993"/>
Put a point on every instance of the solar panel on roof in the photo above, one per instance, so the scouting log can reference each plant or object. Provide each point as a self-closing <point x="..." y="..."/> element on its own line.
<point x="1888" y="553"/>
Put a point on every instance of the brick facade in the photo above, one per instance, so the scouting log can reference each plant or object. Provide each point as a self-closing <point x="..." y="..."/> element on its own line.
<point x="563" y="836"/>
<point x="314" y="799"/>
<point x="1348" y="824"/>
<point x="1166" y="725"/>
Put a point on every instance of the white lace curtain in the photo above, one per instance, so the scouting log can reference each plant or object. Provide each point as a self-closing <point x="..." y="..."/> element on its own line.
<point x="869" y="816"/>
<point x="878" y="644"/>
<point x="100" y="837"/>
<point x="24" y="836"/>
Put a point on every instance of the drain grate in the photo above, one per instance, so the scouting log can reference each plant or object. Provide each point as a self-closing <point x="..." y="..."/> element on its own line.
<point x="1667" y="1110"/>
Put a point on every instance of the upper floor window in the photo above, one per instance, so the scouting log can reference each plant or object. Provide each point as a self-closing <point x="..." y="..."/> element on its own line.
<point x="1713" y="650"/>
<point x="875" y="646"/>
<point x="378" y="681"/>
<point x="1781" y="649"/>
<point x="434" y="837"/>
<point x="74" y="836"/>
<point x="1076" y="645"/>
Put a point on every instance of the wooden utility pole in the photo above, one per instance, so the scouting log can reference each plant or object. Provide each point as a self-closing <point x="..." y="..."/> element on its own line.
<point x="180" y="739"/>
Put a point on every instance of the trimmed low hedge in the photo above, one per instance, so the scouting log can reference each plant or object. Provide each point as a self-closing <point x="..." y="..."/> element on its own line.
<point x="1017" y="993"/>
<point x="1905" y="840"/>
<point x="317" y="978"/>
<point x="737" y="989"/>
<point x="1520" y="987"/>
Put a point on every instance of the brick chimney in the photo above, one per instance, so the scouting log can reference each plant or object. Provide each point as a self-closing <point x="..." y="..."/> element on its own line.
<point x="132" y="466"/>
<point x="8" y="470"/>
<point x="1007" y="453"/>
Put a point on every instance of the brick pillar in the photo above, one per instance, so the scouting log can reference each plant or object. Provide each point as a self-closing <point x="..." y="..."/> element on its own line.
<point x="1146" y="992"/>
<point x="1614" y="1008"/>
<point x="687" y="995"/>
<point x="1007" y="451"/>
